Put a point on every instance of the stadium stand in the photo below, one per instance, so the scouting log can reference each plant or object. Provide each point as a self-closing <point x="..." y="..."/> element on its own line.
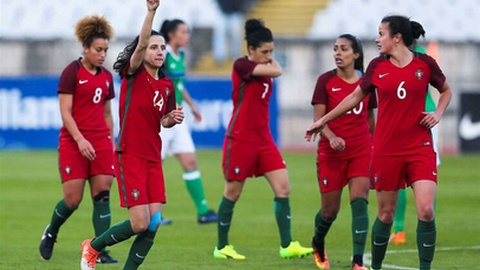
<point x="362" y="17"/>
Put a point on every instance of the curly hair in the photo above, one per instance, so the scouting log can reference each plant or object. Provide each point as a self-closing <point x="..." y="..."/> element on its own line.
<point x="92" y="27"/>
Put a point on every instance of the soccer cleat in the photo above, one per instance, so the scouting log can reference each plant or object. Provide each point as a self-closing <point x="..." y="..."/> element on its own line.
<point x="320" y="260"/>
<point x="46" y="244"/>
<point x="356" y="266"/>
<point x="166" y="221"/>
<point x="227" y="252"/>
<point x="209" y="217"/>
<point x="89" y="256"/>
<point x="295" y="250"/>
<point x="398" y="238"/>
<point x="104" y="257"/>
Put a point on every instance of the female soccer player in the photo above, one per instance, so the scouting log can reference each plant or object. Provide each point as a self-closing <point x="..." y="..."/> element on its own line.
<point x="178" y="140"/>
<point x="344" y="151"/>
<point x="249" y="149"/>
<point x="147" y="98"/>
<point x="403" y="152"/>
<point x="398" y="236"/>
<point x="85" y="148"/>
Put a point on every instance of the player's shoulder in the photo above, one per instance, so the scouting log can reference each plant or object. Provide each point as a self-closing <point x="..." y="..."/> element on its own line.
<point x="328" y="75"/>
<point x="73" y="66"/>
<point x="424" y="57"/>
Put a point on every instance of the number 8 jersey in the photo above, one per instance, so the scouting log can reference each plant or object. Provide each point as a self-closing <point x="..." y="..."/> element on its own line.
<point x="401" y="103"/>
<point x="250" y="97"/>
<point x="90" y="91"/>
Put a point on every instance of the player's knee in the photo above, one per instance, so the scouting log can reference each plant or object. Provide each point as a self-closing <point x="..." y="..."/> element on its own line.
<point x="72" y="200"/>
<point x="155" y="221"/>
<point x="102" y="196"/>
<point x="329" y="213"/>
<point x="427" y="213"/>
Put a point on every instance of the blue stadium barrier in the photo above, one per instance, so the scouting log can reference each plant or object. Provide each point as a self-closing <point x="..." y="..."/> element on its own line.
<point x="30" y="116"/>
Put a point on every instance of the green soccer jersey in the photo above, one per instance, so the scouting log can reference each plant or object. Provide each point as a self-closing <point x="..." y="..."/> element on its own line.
<point x="175" y="69"/>
<point x="429" y="103"/>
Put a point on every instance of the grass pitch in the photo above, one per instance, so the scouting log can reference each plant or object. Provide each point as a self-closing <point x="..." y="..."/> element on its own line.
<point x="30" y="188"/>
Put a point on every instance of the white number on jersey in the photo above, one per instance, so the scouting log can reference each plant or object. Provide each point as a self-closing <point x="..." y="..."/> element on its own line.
<point x="158" y="103"/>
<point x="266" y="90"/>
<point x="357" y="110"/>
<point x="98" y="95"/>
<point x="401" y="92"/>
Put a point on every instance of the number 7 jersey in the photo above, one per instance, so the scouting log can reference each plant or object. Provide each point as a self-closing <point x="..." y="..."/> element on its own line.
<point x="250" y="97"/>
<point x="401" y="103"/>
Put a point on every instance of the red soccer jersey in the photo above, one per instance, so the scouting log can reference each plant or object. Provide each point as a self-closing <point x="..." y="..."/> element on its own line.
<point x="401" y="97"/>
<point x="250" y="96"/>
<point x="143" y="102"/>
<point x="90" y="91"/>
<point x="353" y="126"/>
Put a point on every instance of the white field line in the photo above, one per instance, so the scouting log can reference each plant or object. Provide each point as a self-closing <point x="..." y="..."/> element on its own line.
<point x="368" y="257"/>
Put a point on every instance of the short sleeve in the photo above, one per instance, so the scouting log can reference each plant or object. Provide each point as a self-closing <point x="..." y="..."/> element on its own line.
<point x="320" y="92"/>
<point x="68" y="79"/>
<point x="171" y="102"/>
<point x="372" y="101"/>
<point x="244" y="68"/>
<point x="111" y="90"/>
<point x="437" y="78"/>
<point x="366" y="84"/>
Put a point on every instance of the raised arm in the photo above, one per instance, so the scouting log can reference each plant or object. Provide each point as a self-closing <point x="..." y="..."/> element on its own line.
<point x="272" y="69"/>
<point x="137" y="56"/>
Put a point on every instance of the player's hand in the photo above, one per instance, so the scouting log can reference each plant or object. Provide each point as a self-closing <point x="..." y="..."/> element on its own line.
<point x="314" y="129"/>
<point x="429" y="120"/>
<point x="86" y="149"/>
<point x="337" y="144"/>
<point x="197" y="114"/>
<point x="153" y="4"/>
<point x="177" y="115"/>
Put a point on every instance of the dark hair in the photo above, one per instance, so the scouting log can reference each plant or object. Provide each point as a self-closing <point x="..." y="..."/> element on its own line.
<point x="256" y="33"/>
<point x="92" y="27"/>
<point x="124" y="56"/>
<point x="357" y="48"/>
<point x="169" y="26"/>
<point x="409" y="30"/>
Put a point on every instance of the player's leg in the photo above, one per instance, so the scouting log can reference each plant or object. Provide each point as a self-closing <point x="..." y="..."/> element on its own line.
<point x="424" y="192"/>
<point x="101" y="216"/>
<point x="331" y="177"/>
<point x="359" y="184"/>
<point x="145" y="238"/>
<point x="398" y="236"/>
<point x="359" y="187"/>
<point x="388" y="175"/>
<point x="223" y="249"/>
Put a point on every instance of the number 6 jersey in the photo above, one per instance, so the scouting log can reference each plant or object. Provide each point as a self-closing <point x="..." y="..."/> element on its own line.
<point x="401" y="103"/>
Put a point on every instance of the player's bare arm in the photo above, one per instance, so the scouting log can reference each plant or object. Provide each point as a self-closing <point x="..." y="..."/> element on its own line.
<point x="174" y="117"/>
<point x="432" y="119"/>
<point x="188" y="99"/>
<point x="336" y="143"/>
<point x="269" y="69"/>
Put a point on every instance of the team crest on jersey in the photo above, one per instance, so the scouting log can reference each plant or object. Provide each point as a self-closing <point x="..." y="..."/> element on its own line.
<point x="325" y="182"/>
<point x="135" y="194"/>
<point x="419" y="74"/>
<point x="68" y="170"/>
<point x="167" y="92"/>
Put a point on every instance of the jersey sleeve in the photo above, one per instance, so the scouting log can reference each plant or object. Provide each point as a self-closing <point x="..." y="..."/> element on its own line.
<point x="366" y="84"/>
<point x="111" y="90"/>
<point x="320" y="93"/>
<point x="171" y="102"/>
<point x="244" y="68"/>
<point x="372" y="101"/>
<point x="437" y="78"/>
<point x="68" y="79"/>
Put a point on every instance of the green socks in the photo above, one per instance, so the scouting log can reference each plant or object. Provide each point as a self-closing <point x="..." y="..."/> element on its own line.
<point x="359" y="209"/>
<point x="426" y="240"/>
<point x="59" y="216"/>
<point x="399" y="218"/>
<point x="193" y="182"/>
<point x="139" y="250"/>
<point x="116" y="234"/>
<point x="282" y="215"/>
<point x="225" y="212"/>
<point x="380" y="237"/>
<point x="322" y="226"/>
<point x="101" y="217"/>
